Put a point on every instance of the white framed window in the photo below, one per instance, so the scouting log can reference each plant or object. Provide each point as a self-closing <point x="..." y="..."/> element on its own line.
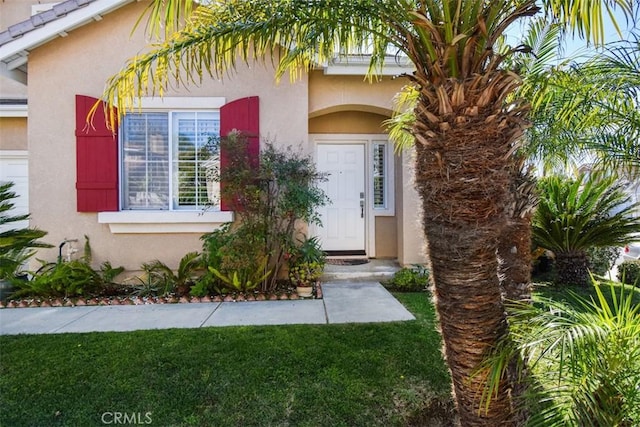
<point x="169" y="159"/>
<point x="162" y="162"/>
<point x="382" y="199"/>
<point x="379" y="175"/>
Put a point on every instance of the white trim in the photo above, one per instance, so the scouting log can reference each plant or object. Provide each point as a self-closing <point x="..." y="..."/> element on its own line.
<point x="390" y="209"/>
<point x="358" y="65"/>
<point x="52" y="29"/>
<point x="17" y="74"/>
<point x="14" y="154"/>
<point x="194" y="103"/>
<point x="164" y="222"/>
<point x="363" y="70"/>
<point x="16" y="110"/>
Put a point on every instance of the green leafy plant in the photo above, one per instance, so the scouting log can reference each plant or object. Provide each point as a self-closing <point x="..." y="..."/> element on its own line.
<point x="270" y="198"/>
<point x="574" y="215"/>
<point x="65" y="279"/>
<point x="629" y="272"/>
<point x="583" y="358"/>
<point x="306" y="262"/>
<point x="71" y="278"/>
<point x="15" y="243"/>
<point x="144" y="286"/>
<point x="406" y="279"/>
<point x="180" y="281"/>
<point x="244" y="280"/>
<point x="602" y="259"/>
<point x="306" y="273"/>
<point x="108" y="273"/>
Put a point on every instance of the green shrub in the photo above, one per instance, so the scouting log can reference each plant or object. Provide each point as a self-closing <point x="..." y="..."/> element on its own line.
<point x="15" y="244"/>
<point x="66" y="279"/>
<point x="269" y="200"/>
<point x="574" y="215"/>
<point x="413" y="279"/>
<point x="602" y="259"/>
<point x="167" y="281"/>
<point x="582" y="357"/>
<point x="629" y="272"/>
<point x="72" y="278"/>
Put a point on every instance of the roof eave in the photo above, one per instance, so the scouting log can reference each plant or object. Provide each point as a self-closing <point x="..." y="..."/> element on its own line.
<point x="21" y="45"/>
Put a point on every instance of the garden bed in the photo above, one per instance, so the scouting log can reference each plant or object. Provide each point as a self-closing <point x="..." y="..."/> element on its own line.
<point x="285" y="294"/>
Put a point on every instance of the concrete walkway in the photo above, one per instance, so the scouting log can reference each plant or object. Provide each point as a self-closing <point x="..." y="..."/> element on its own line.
<point x="343" y="302"/>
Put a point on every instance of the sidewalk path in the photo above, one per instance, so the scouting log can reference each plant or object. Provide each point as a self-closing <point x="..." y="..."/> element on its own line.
<point x="343" y="302"/>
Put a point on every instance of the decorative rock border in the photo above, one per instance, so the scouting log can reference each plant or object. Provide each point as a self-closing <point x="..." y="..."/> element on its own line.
<point x="78" y="302"/>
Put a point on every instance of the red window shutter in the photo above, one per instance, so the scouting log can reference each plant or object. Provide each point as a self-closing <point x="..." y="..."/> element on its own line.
<point x="242" y="115"/>
<point x="96" y="160"/>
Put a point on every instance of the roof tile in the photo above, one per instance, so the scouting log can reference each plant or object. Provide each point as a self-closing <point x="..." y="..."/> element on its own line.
<point x="21" y="28"/>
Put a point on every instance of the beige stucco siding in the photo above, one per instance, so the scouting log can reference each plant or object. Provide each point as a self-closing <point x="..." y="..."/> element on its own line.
<point x="80" y="64"/>
<point x="411" y="243"/>
<point x="386" y="237"/>
<point x="347" y="122"/>
<point x="328" y="94"/>
<point x="13" y="133"/>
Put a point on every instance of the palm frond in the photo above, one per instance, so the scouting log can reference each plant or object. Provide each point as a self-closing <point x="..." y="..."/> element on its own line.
<point x="582" y="357"/>
<point x="573" y="215"/>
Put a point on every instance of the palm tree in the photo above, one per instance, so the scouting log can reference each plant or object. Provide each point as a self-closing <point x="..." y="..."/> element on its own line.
<point x="15" y="243"/>
<point x="584" y="357"/>
<point x="574" y="215"/>
<point x="589" y="110"/>
<point x="465" y="133"/>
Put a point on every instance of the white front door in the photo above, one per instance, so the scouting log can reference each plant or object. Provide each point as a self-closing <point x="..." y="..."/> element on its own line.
<point x="343" y="222"/>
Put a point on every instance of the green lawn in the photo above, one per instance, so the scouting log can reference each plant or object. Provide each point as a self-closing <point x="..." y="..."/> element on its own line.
<point x="332" y="375"/>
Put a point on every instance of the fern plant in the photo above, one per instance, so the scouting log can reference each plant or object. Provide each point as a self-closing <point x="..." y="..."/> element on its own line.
<point x="574" y="215"/>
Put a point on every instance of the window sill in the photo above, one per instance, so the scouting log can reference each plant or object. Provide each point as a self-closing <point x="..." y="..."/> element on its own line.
<point x="163" y="222"/>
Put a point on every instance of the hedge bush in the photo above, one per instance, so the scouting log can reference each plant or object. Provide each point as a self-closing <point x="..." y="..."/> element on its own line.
<point x="629" y="272"/>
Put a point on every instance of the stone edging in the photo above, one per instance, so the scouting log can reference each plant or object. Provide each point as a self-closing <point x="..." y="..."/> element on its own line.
<point x="77" y="302"/>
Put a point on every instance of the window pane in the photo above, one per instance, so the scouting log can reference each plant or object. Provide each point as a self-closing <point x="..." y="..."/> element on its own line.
<point x="379" y="176"/>
<point x="145" y="171"/>
<point x="195" y="160"/>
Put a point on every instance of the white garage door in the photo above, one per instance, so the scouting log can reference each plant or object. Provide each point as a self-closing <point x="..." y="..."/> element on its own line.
<point x="14" y="167"/>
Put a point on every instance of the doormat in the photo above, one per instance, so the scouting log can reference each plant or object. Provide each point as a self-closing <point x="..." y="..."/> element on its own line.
<point x="340" y="261"/>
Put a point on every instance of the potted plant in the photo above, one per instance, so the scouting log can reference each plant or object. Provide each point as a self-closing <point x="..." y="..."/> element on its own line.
<point x="306" y="266"/>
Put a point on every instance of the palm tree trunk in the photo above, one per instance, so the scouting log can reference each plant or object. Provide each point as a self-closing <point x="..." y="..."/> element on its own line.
<point x="514" y="258"/>
<point x="572" y="268"/>
<point x="514" y="254"/>
<point x="462" y="177"/>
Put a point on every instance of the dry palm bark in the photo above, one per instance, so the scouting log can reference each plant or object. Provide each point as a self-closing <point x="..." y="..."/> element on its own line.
<point x="514" y="248"/>
<point x="514" y="269"/>
<point x="465" y="138"/>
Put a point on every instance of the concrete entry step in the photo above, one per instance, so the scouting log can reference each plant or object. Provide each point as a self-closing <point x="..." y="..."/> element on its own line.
<point x="375" y="269"/>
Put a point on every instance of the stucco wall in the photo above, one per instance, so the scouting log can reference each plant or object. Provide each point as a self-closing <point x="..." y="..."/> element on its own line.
<point x="80" y="64"/>
<point x="13" y="133"/>
<point x="386" y="237"/>
<point x="347" y="122"/>
<point x="412" y="248"/>
<point x="328" y="94"/>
